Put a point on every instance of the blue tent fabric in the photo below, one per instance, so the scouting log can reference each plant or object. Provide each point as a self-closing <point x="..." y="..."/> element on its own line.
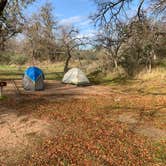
<point x="34" y="73"/>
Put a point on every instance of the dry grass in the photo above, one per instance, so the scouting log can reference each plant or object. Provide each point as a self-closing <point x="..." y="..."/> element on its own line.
<point x="156" y="73"/>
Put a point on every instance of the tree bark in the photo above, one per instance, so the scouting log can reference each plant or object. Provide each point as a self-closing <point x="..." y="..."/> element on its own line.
<point x="150" y="66"/>
<point x="2" y="6"/>
<point x="33" y="57"/>
<point x="116" y="64"/>
<point x="1" y="88"/>
<point x="2" y="43"/>
<point x="139" y="10"/>
<point x="67" y="61"/>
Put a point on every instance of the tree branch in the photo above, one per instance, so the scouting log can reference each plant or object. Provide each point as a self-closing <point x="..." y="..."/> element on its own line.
<point x="3" y="4"/>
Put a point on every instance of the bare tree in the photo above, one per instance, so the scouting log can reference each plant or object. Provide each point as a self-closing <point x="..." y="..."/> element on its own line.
<point x="70" y="42"/>
<point x="111" y="39"/>
<point x="109" y="10"/>
<point x="33" y="32"/>
<point x="40" y="32"/>
<point x="141" y="35"/>
<point x="159" y="6"/>
<point x="139" y="49"/>
<point x="113" y="10"/>
<point x="3" y="4"/>
<point x="49" y="24"/>
<point x="11" y="18"/>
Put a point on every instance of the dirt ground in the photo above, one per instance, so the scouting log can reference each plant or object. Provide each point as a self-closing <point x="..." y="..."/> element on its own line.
<point x="53" y="88"/>
<point x="30" y="118"/>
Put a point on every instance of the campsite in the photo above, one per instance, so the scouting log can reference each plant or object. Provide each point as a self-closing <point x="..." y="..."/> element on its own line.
<point x="70" y="97"/>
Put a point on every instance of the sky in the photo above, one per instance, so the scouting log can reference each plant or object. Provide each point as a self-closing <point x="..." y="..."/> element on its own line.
<point x="71" y="12"/>
<point x="75" y="12"/>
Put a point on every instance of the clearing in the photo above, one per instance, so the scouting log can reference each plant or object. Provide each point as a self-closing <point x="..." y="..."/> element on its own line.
<point x="94" y="125"/>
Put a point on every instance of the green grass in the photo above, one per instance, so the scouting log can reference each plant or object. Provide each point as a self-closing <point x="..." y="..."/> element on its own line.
<point x="145" y="83"/>
<point x="52" y="72"/>
<point x="3" y="97"/>
<point x="8" y="67"/>
<point x="11" y="72"/>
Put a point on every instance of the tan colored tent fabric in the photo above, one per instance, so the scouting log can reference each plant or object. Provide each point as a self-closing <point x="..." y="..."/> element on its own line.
<point x="75" y="76"/>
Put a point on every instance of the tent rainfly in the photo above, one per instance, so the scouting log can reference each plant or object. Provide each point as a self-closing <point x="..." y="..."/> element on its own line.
<point x="33" y="79"/>
<point x="75" y="76"/>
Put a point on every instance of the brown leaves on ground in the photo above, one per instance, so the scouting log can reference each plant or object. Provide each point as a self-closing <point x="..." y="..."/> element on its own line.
<point x="90" y="133"/>
<point x="89" y="137"/>
<point x="101" y="148"/>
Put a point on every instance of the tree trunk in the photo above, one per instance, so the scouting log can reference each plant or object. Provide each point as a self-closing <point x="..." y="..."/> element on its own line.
<point x="2" y="6"/>
<point x="2" y="45"/>
<point x="149" y="66"/>
<point x="1" y="88"/>
<point x="80" y="61"/>
<point x="67" y="62"/>
<point x="116" y="64"/>
<point x="33" y="57"/>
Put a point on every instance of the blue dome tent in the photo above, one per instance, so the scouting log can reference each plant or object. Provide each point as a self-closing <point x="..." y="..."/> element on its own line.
<point x="33" y="79"/>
